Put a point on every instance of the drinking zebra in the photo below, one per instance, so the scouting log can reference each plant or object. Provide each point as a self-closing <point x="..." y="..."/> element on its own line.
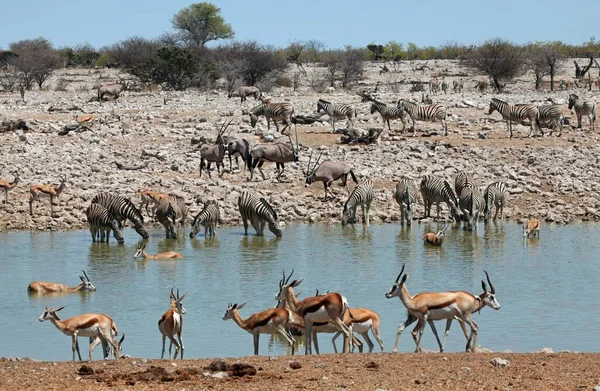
<point x="550" y="116"/>
<point x="122" y="208"/>
<point x="170" y="211"/>
<point x="462" y="181"/>
<point x="259" y="212"/>
<point x="436" y="190"/>
<point x="208" y="218"/>
<point x="273" y="111"/>
<point x="405" y="197"/>
<point x="336" y="111"/>
<point x="388" y="113"/>
<point x="516" y="113"/>
<point x="362" y="195"/>
<point x="429" y="113"/>
<point x="101" y="222"/>
<point x="495" y="194"/>
<point x="583" y="107"/>
<point x="471" y="203"/>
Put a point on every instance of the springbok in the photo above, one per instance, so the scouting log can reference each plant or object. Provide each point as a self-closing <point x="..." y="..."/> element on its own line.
<point x="273" y="320"/>
<point x="171" y="324"/>
<point x="436" y="239"/>
<point x="147" y="196"/>
<point x="84" y="325"/>
<point x="106" y="349"/>
<point x="141" y="252"/>
<point x="438" y="305"/>
<point x="214" y="153"/>
<point x="44" y="287"/>
<point x="6" y="185"/>
<point x="279" y="153"/>
<point x="532" y="228"/>
<point x="326" y="308"/>
<point x="327" y="172"/>
<point x="486" y="298"/>
<point x="47" y="190"/>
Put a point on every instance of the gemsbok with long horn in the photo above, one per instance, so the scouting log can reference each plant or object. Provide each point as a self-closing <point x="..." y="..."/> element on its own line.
<point x="45" y="287"/>
<point x="279" y="153"/>
<point x="171" y="325"/>
<point x="46" y="190"/>
<point x="214" y="153"/>
<point x="327" y="172"/>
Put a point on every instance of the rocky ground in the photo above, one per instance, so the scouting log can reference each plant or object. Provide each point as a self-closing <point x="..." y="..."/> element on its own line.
<point x="376" y="372"/>
<point x="551" y="177"/>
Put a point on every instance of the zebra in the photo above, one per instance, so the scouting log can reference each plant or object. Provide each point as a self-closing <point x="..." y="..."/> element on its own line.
<point x="336" y="111"/>
<point x="101" y="222"/>
<point x="550" y="115"/>
<point x="362" y="195"/>
<point x="516" y="113"/>
<point x="496" y="195"/>
<point x="462" y="181"/>
<point x="208" y="217"/>
<point x="387" y="113"/>
<point x="170" y="211"/>
<point x="471" y="203"/>
<point x="273" y="111"/>
<point x="436" y="190"/>
<point x="259" y="212"/>
<point x="583" y="107"/>
<point x="429" y="113"/>
<point x="122" y="208"/>
<point x="405" y="197"/>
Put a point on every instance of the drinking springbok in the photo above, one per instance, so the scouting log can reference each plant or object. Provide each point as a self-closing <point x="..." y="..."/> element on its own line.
<point x="84" y="325"/>
<point x="273" y="320"/>
<point x="46" y="190"/>
<point x="141" y="252"/>
<point x="435" y="239"/>
<point x="214" y="153"/>
<point x="6" y="185"/>
<point x="44" y="287"/>
<point x="327" y="172"/>
<point x="532" y="228"/>
<point x="279" y="153"/>
<point x="171" y="324"/>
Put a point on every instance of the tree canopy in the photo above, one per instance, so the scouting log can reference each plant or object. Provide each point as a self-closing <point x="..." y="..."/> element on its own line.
<point x="200" y="23"/>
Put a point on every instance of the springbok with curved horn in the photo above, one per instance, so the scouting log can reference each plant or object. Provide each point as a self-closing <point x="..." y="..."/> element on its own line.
<point x="106" y="348"/>
<point x="47" y="190"/>
<point x="436" y="239"/>
<point x="44" y="287"/>
<point x="532" y="228"/>
<point x="6" y="185"/>
<point x="171" y="324"/>
<point x="440" y="305"/>
<point x="327" y="172"/>
<point x="84" y="325"/>
<point x="214" y="153"/>
<point x="141" y="252"/>
<point x="273" y="320"/>
<point x="279" y="153"/>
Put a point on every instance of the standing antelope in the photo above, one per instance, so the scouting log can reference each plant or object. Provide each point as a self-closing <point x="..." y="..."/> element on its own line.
<point x="46" y="190"/>
<point x="214" y="153"/>
<point x="438" y="305"/>
<point x="148" y="201"/>
<point x="245" y="91"/>
<point x="327" y="172"/>
<point x="44" y="287"/>
<point x="237" y="148"/>
<point x="171" y="324"/>
<point x="532" y="228"/>
<point x="279" y="153"/>
<point x="113" y="90"/>
<point x="326" y="308"/>
<point x="362" y="320"/>
<point x="6" y="185"/>
<point x="273" y="320"/>
<point x="141" y="252"/>
<point x="84" y="325"/>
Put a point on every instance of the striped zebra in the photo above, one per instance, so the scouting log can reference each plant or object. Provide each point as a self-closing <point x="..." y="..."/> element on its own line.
<point x="436" y="190"/>
<point x="550" y="116"/>
<point x="462" y="181"/>
<point x="362" y="195"/>
<point x="516" y="113"/>
<point x="336" y="111"/>
<point x="388" y="113"/>
<point x="471" y="204"/>
<point x="208" y="218"/>
<point x="260" y="213"/>
<point x="170" y="211"/>
<point x="583" y="107"/>
<point x="273" y="111"/>
<point x="405" y="197"/>
<point x="122" y="208"/>
<point x="495" y="195"/>
<point x="430" y="113"/>
<point x="101" y="222"/>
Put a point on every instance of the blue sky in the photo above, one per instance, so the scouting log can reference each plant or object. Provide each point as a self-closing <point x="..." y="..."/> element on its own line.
<point x="335" y="23"/>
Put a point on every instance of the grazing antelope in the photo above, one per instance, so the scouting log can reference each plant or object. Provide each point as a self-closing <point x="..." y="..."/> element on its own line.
<point x="273" y="320"/>
<point x="214" y="153"/>
<point x="436" y="239"/>
<point x="237" y="148"/>
<point x="6" y="185"/>
<point x="279" y="153"/>
<point x="486" y="298"/>
<point x="106" y="347"/>
<point x="532" y="228"/>
<point x="439" y="305"/>
<point x="44" y="287"/>
<point x="326" y="308"/>
<point x="141" y="252"/>
<point x="171" y="324"/>
<point x="84" y="325"/>
<point x="47" y="190"/>
<point x="327" y="172"/>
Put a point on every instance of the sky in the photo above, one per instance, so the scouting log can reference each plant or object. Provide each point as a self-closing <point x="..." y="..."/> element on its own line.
<point x="335" y="23"/>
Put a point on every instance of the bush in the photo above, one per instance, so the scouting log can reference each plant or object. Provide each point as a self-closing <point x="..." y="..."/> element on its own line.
<point x="284" y="81"/>
<point x="175" y="68"/>
<point x="80" y="56"/>
<point x="135" y="56"/>
<point x="35" y="59"/>
<point x="8" y="80"/>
